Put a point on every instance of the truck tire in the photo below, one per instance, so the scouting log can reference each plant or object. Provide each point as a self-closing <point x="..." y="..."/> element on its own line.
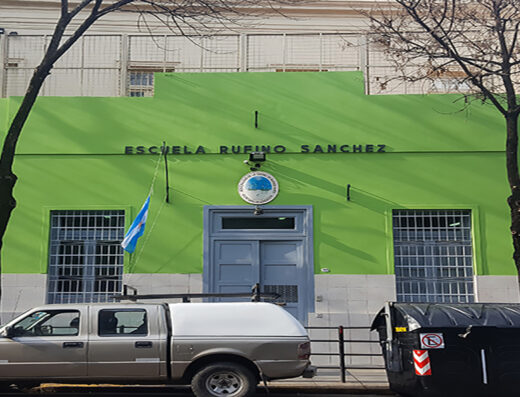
<point x="5" y="387"/>
<point x="225" y="379"/>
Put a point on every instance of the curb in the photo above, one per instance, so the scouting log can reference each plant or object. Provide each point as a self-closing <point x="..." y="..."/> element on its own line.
<point x="329" y="388"/>
<point x="278" y="388"/>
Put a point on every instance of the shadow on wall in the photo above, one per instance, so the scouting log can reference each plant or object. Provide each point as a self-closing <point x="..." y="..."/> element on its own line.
<point x="371" y="201"/>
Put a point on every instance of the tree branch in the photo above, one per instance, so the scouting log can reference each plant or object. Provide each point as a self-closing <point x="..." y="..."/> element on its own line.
<point x="79" y="8"/>
<point x="64" y="7"/>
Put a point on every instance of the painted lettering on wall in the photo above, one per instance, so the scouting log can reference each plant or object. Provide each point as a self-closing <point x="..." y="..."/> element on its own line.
<point x="245" y="149"/>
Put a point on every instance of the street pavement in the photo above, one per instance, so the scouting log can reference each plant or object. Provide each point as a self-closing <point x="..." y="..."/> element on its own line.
<point x="178" y="391"/>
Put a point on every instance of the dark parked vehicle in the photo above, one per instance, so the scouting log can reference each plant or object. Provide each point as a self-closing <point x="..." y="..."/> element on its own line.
<point x="451" y="349"/>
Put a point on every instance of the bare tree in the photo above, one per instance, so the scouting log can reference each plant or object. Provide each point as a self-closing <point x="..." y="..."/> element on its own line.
<point x="76" y="17"/>
<point x="474" y="43"/>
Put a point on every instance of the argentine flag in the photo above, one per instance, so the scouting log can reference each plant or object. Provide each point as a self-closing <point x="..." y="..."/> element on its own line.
<point x="136" y="230"/>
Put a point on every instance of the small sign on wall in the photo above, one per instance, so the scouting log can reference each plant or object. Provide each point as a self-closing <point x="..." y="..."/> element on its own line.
<point x="258" y="187"/>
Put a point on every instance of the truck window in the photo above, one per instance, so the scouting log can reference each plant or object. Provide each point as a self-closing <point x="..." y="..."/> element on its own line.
<point x="49" y="323"/>
<point x="122" y="322"/>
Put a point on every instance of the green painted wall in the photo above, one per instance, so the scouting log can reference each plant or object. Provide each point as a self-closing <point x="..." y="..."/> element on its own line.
<point x="71" y="157"/>
<point x="3" y="114"/>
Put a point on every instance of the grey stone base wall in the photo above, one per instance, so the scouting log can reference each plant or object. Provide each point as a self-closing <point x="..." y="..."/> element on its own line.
<point x="339" y="299"/>
<point x="350" y="301"/>
<point x="21" y="292"/>
<point x="164" y="283"/>
<point x="498" y="289"/>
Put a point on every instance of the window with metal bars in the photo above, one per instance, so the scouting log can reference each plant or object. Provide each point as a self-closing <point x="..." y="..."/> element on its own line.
<point x="141" y="77"/>
<point x="433" y="255"/>
<point x="85" y="256"/>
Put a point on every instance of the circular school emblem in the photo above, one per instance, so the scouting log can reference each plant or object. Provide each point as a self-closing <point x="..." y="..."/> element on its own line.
<point x="258" y="187"/>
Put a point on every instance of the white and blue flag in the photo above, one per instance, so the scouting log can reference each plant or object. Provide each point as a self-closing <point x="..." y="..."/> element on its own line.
<point x="136" y="230"/>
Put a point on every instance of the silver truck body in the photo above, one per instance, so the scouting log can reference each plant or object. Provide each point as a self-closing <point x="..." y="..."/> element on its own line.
<point x="71" y="343"/>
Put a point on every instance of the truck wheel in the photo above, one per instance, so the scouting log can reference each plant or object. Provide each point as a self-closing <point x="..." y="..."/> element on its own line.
<point x="5" y="387"/>
<point x="223" y="379"/>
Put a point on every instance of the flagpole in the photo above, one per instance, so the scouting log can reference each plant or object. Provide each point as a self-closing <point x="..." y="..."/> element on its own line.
<point x="166" y="171"/>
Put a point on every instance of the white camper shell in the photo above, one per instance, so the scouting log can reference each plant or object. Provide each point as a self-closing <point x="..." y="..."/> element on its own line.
<point x="246" y="319"/>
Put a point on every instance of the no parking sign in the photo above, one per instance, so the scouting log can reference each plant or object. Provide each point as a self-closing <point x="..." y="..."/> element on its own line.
<point x="432" y="341"/>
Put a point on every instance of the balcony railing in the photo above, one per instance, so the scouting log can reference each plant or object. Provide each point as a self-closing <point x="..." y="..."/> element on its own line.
<point x="123" y="65"/>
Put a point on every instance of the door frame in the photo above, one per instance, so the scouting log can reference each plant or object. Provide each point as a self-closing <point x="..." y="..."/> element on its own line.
<point x="303" y="232"/>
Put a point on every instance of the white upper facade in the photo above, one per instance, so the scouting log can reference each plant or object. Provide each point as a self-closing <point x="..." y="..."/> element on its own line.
<point x="118" y="55"/>
<point x="39" y="17"/>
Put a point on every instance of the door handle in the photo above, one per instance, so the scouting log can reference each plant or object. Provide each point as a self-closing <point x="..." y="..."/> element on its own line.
<point x="72" y="345"/>
<point x="143" y="344"/>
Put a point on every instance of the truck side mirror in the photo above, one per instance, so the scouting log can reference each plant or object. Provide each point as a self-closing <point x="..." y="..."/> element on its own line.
<point x="8" y="332"/>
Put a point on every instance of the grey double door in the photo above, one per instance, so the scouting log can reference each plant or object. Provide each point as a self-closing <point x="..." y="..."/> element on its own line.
<point x="272" y="250"/>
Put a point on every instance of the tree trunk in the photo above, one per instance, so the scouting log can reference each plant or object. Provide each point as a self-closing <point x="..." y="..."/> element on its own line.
<point x="7" y="177"/>
<point x="7" y="201"/>
<point x="52" y="54"/>
<point x="514" y="182"/>
<point x="7" y="204"/>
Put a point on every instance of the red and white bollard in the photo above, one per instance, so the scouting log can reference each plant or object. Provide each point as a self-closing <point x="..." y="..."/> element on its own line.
<point x="421" y="362"/>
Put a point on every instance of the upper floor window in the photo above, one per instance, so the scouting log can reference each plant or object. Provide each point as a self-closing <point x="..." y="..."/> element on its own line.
<point x="141" y="77"/>
<point x="451" y="79"/>
<point x="433" y="255"/>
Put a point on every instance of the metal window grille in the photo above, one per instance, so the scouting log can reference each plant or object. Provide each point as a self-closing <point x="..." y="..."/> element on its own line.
<point x="433" y="255"/>
<point x="141" y="77"/>
<point x="85" y="256"/>
<point x="140" y="84"/>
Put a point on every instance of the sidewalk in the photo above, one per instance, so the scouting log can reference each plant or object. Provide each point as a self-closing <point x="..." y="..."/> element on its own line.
<point x="358" y="381"/>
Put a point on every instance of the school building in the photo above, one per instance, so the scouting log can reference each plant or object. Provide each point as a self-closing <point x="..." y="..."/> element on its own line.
<point x="360" y="199"/>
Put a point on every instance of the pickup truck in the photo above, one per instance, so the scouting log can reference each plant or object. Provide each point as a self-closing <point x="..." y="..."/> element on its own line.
<point x="221" y="349"/>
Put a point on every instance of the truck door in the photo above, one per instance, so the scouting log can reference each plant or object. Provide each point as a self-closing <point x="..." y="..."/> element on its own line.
<point x="46" y="344"/>
<point x="126" y="343"/>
